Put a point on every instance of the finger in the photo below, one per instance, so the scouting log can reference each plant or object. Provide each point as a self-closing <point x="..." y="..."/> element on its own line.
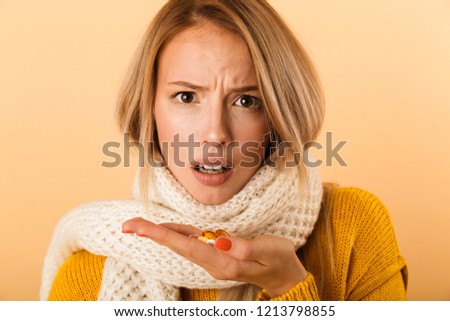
<point x="145" y="228"/>
<point x="192" y="249"/>
<point x="131" y="226"/>
<point x="182" y="228"/>
<point x="260" y="249"/>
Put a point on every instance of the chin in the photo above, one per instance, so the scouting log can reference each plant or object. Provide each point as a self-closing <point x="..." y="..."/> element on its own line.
<point x="214" y="198"/>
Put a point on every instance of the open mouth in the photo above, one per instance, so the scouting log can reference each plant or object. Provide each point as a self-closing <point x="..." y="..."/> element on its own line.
<point x="212" y="169"/>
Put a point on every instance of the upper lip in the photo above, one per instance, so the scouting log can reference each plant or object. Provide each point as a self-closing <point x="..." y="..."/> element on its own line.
<point x="212" y="161"/>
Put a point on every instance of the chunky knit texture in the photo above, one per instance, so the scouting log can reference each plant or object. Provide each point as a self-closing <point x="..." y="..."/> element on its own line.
<point x="138" y="269"/>
<point x="367" y="263"/>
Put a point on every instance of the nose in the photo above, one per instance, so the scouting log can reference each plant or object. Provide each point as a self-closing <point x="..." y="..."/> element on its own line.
<point x="215" y="124"/>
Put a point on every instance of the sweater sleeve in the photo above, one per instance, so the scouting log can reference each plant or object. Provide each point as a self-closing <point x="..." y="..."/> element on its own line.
<point x="367" y="260"/>
<point x="79" y="278"/>
<point x="305" y="290"/>
<point x="377" y="271"/>
<point x="393" y="289"/>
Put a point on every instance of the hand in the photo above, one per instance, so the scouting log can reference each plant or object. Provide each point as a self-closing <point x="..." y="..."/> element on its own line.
<point x="267" y="261"/>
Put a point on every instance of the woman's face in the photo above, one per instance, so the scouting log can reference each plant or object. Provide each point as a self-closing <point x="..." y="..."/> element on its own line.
<point x="210" y="122"/>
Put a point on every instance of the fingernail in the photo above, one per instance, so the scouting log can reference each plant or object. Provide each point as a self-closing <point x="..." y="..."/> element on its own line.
<point x="127" y="231"/>
<point x="223" y="244"/>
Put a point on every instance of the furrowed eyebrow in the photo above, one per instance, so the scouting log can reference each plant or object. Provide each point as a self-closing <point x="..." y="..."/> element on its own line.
<point x="185" y="84"/>
<point x="194" y="86"/>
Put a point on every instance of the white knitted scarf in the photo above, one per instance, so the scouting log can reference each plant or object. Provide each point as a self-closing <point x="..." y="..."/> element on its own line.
<point x="137" y="268"/>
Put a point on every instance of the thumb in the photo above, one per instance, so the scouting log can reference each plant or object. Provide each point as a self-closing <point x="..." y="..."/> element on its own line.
<point x="237" y="248"/>
<point x="223" y="244"/>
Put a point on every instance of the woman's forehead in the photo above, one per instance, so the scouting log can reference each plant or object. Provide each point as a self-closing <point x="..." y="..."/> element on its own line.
<point x="201" y="53"/>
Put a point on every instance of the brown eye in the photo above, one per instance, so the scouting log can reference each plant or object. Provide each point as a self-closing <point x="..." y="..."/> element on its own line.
<point x="248" y="101"/>
<point x="185" y="97"/>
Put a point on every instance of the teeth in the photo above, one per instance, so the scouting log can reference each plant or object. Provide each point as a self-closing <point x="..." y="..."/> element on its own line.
<point x="213" y="167"/>
<point x="210" y="171"/>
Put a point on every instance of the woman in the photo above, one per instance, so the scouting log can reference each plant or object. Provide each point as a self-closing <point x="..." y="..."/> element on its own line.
<point x="222" y="88"/>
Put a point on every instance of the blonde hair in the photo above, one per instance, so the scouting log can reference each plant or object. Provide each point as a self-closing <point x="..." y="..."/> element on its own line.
<point x="290" y="90"/>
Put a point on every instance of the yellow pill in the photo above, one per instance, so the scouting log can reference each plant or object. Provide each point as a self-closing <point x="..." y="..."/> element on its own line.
<point x="203" y="239"/>
<point x="209" y="234"/>
<point x="222" y="233"/>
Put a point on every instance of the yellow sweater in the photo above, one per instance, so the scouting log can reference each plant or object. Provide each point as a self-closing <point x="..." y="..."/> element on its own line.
<point x="352" y="255"/>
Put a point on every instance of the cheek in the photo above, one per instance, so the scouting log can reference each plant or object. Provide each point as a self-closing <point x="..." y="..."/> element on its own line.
<point x="172" y="129"/>
<point x="164" y="129"/>
<point x="168" y="123"/>
<point x="253" y="130"/>
<point x="253" y="142"/>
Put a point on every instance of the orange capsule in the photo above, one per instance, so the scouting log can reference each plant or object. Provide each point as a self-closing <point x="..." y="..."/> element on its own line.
<point x="222" y="233"/>
<point x="209" y="235"/>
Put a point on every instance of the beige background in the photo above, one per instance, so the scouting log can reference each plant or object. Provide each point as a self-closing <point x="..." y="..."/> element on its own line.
<point x="384" y="64"/>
